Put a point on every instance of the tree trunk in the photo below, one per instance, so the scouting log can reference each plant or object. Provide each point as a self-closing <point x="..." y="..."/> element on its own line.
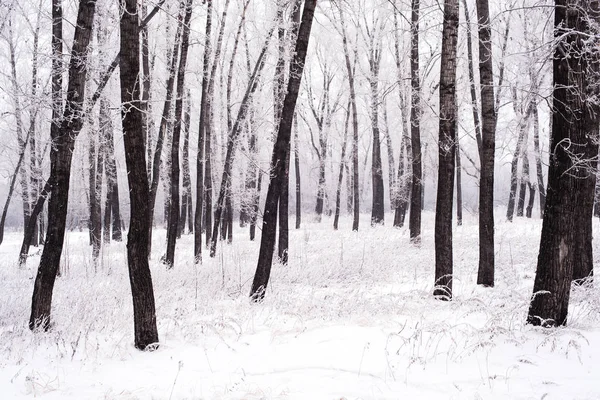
<point x="174" y="200"/>
<point x="164" y="126"/>
<point x="416" y="201"/>
<point x="338" y="192"/>
<point x="355" y="166"/>
<point x="377" y="210"/>
<point x="485" y="275"/>
<point x="297" y="175"/>
<point x="470" y="63"/>
<point x="459" y="206"/>
<point x="186" y="209"/>
<point x="208" y="129"/>
<point x="392" y="184"/>
<point x="280" y="155"/>
<point x="60" y="159"/>
<point x="570" y="181"/>
<point x="112" y="209"/>
<point x="146" y="334"/>
<point x="11" y="189"/>
<point x="236" y="130"/>
<point x="22" y="142"/>
<point x="514" y="165"/>
<point x="96" y="162"/>
<point x="447" y="151"/>
<point x="538" y="156"/>
<point x="201" y="138"/>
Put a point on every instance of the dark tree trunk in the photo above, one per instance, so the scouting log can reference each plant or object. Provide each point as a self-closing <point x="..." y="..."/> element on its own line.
<point x="447" y="151"/>
<point x="404" y="178"/>
<point x="280" y="155"/>
<point x="570" y="180"/>
<point x="485" y="275"/>
<point x="163" y="128"/>
<point x="186" y="209"/>
<point x="459" y="207"/>
<point x="255" y="205"/>
<point x="201" y="138"/>
<point x="338" y="193"/>
<point x="416" y="201"/>
<point x="60" y="159"/>
<point x="174" y="200"/>
<point x="208" y="131"/>
<point x="30" y="229"/>
<point x="297" y="175"/>
<point x="147" y="121"/>
<point x="470" y="63"/>
<point x="96" y="163"/>
<point x="402" y="200"/>
<point x="146" y="334"/>
<point x="377" y="209"/>
<point x="355" y="166"/>
<point x="232" y="140"/>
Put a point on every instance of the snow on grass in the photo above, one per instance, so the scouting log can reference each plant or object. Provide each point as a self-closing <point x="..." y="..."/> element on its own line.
<point x="351" y="316"/>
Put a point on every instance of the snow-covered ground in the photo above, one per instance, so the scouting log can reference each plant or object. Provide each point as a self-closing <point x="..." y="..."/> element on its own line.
<point x="351" y="317"/>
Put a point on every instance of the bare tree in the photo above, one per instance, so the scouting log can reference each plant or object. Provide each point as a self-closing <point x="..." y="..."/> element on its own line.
<point x="416" y="201"/>
<point x="144" y="314"/>
<point x="573" y="152"/>
<point x="60" y="158"/>
<point x="280" y="154"/>
<point x="447" y="151"/>
<point x="485" y="274"/>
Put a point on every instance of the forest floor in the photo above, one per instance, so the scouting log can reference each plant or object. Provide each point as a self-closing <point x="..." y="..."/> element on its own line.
<point x="351" y="316"/>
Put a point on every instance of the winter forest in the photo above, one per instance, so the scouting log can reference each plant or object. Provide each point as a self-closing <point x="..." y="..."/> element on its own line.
<point x="299" y="199"/>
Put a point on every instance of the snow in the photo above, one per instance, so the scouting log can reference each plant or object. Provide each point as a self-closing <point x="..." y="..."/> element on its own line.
<point x="351" y="317"/>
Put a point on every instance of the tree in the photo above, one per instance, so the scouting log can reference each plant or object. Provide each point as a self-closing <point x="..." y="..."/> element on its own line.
<point x="351" y="84"/>
<point x="416" y="201"/>
<point x="485" y="274"/>
<point x="174" y="201"/>
<point x="63" y="140"/>
<point x="280" y="155"/>
<point x="201" y="134"/>
<point x="144" y="314"/>
<point x="375" y="49"/>
<point x="447" y="151"/>
<point x="164" y="122"/>
<point x="573" y="151"/>
<point x="232" y="140"/>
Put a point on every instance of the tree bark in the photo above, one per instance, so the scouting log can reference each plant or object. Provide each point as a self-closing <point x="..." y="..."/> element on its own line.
<point x="416" y="202"/>
<point x="447" y="151"/>
<point x="485" y="275"/>
<point x="236" y="130"/>
<point x="280" y="155"/>
<point x="377" y="209"/>
<point x="473" y="91"/>
<point x="573" y="151"/>
<point x="174" y="200"/>
<point x="297" y="175"/>
<point x="208" y="128"/>
<point x="338" y="192"/>
<point x="164" y="126"/>
<point x="201" y="138"/>
<point x="538" y="156"/>
<point x="355" y="166"/>
<point x="186" y="209"/>
<point x="144" y="314"/>
<point x="60" y="159"/>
